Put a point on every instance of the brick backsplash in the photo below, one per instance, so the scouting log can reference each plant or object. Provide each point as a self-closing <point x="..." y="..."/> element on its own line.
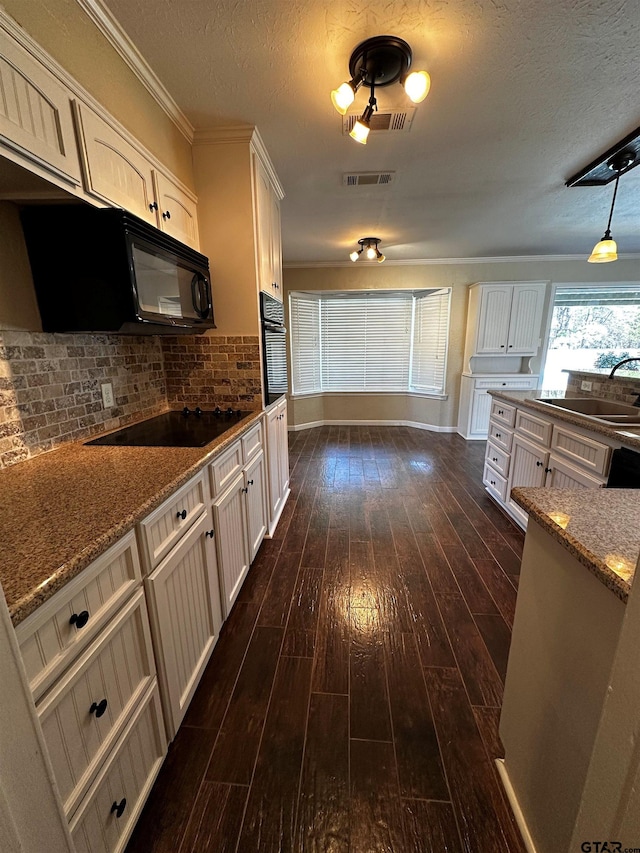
<point x="211" y="371"/>
<point x="50" y="387"/>
<point x="625" y="389"/>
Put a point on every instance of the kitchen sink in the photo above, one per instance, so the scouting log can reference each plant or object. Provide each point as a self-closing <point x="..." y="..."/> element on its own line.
<point x="606" y="411"/>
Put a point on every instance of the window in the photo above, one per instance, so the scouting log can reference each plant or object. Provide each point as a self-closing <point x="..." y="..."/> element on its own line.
<point x="591" y="327"/>
<point x="381" y="341"/>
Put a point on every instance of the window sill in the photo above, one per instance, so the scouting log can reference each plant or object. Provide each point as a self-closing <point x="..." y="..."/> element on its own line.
<point x="423" y="394"/>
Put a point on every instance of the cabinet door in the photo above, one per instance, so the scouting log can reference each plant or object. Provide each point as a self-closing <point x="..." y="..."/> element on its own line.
<point x="528" y="463"/>
<point x="176" y="211"/>
<point x="114" y="170"/>
<point x="525" y="320"/>
<point x="256" y="499"/>
<point x="262" y="214"/>
<point x="229" y="513"/>
<point x="561" y="475"/>
<point x="276" y="247"/>
<point x="493" y="320"/>
<point x="274" y="476"/>
<point x="481" y="409"/>
<point x="283" y="451"/>
<point x="35" y="113"/>
<point x="185" y="617"/>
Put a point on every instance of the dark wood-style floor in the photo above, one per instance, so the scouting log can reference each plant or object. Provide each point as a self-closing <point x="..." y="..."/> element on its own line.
<point x="352" y="701"/>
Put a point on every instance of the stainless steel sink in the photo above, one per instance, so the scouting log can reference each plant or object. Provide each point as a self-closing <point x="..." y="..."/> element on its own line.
<point x="605" y="411"/>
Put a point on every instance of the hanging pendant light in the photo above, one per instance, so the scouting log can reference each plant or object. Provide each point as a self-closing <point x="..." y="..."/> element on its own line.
<point x="606" y="250"/>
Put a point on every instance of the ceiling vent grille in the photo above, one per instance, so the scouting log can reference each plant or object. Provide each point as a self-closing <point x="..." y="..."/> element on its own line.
<point x="367" y="179"/>
<point x="388" y="120"/>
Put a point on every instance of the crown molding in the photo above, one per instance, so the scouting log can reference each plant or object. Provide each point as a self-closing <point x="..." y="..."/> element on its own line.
<point x="418" y="262"/>
<point x="126" y="49"/>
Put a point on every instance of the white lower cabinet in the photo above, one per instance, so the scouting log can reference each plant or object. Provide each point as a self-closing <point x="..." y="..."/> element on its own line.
<point x="230" y="514"/>
<point x="255" y="485"/>
<point x="277" y="461"/>
<point x="476" y="402"/>
<point x="108" y="814"/>
<point x="184" y="605"/>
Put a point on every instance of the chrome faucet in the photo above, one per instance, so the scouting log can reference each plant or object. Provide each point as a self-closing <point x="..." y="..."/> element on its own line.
<point x="620" y="363"/>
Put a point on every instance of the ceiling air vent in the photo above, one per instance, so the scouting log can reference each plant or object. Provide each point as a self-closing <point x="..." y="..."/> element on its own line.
<point x="367" y="179"/>
<point x="394" y="120"/>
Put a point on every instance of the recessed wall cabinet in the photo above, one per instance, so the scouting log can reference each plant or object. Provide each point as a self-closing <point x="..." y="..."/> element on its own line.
<point x="117" y="171"/>
<point x="89" y="660"/>
<point x="503" y="334"/>
<point x="525" y="448"/>
<point x="183" y="592"/>
<point x="268" y="231"/>
<point x="277" y="460"/>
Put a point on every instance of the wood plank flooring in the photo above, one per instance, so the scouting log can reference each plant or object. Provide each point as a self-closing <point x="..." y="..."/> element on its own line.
<point x="352" y="702"/>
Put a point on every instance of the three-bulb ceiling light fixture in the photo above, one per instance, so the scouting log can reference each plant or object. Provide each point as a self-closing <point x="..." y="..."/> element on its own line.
<point x="379" y="61"/>
<point x="621" y="158"/>
<point x="368" y="245"/>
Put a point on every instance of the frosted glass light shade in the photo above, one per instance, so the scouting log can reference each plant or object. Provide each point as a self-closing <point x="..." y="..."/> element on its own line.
<point x="371" y="252"/>
<point x="381" y="258"/>
<point x="360" y="132"/>
<point x="354" y="256"/>
<point x="343" y="97"/>
<point x="603" y="252"/>
<point x="417" y="86"/>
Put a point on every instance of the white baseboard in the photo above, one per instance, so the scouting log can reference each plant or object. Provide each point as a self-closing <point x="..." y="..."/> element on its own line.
<point x="515" y="806"/>
<point x="414" y="424"/>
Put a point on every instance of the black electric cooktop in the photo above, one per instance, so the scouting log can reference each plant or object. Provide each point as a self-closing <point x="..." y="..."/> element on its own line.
<point x="187" y="428"/>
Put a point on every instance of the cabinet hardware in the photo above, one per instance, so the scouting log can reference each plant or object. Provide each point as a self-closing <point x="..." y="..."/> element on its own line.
<point x="498" y="435"/>
<point x="98" y="708"/>
<point x="245" y="491"/>
<point x="79" y="619"/>
<point x="182" y="514"/>
<point x="210" y="533"/>
<point x="153" y="205"/>
<point x="539" y="463"/>
<point x="501" y="346"/>
<point x="501" y="411"/>
<point x="494" y="458"/>
<point x="548" y="470"/>
<point x="493" y="482"/>
<point x="119" y="808"/>
<point x="249" y="482"/>
<point x="166" y="214"/>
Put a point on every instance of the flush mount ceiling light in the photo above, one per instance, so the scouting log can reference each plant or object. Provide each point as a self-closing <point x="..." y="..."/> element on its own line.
<point x="368" y="245"/>
<point x="379" y="61"/>
<point x="606" y="249"/>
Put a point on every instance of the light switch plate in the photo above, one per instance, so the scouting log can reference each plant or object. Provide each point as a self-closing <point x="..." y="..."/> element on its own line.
<point x="584" y="385"/>
<point x="107" y="394"/>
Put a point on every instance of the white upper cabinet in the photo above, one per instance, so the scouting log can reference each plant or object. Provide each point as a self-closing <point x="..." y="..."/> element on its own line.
<point x="508" y="318"/>
<point x="118" y="173"/>
<point x="36" y="126"/>
<point x="267" y="231"/>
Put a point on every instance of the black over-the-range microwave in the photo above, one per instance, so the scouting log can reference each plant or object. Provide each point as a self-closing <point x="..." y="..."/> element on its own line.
<point x="105" y="270"/>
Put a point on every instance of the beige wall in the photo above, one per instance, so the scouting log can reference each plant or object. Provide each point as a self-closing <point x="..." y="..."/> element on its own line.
<point x="64" y="30"/>
<point x="359" y="276"/>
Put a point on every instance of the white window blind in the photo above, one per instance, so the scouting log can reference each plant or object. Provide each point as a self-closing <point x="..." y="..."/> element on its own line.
<point x="305" y="343"/>
<point x="431" y="328"/>
<point x="381" y="341"/>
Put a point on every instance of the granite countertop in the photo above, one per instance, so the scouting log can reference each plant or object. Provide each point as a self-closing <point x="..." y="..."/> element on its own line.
<point x="60" y="510"/>
<point x="597" y="526"/>
<point x="630" y="436"/>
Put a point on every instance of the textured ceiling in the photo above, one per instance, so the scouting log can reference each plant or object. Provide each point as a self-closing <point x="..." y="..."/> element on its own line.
<point x="524" y="94"/>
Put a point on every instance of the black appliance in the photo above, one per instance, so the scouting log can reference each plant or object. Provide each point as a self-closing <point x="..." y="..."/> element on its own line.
<point x="188" y="428"/>
<point x="274" y="348"/>
<point x="625" y="469"/>
<point x="105" y="270"/>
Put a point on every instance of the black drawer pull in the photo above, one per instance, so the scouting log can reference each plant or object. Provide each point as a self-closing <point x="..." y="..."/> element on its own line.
<point x="182" y="514"/>
<point x="79" y="619"/>
<point x="245" y="491"/>
<point x="539" y="464"/>
<point x="493" y="482"/>
<point x="119" y="808"/>
<point x="166" y="214"/>
<point x="548" y="470"/>
<point x="249" y="482"/>
<point x="501" y="411"/>
<point x="494" y="459"/>
<point x="98" y="708"/>
<point x="498" y="435"/>
<point x="153" y="205"/>
<point x="210" y="533"/>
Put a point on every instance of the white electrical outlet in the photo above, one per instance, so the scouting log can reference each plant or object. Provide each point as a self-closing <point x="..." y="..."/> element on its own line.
<point x="585" y="386"/>
<point x="107" y="394"/>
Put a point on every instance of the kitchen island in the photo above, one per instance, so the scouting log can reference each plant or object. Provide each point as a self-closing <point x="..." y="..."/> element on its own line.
<point x="560" y="721"/>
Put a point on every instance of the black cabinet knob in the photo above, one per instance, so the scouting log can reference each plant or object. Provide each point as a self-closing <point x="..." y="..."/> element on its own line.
<point x="119" y="808"/>
<point x="539" y="464"/>
<point x="98" y="708"/>
<point x="79" y="619"/>
<point x="249" y="482"/>
<point x="498" y="435"/>
<point x="548" y="470"/>
<point x="182" y="514"/>
<point x="166" y="214"/>
<point x="493" y="482"/>
<point x="245" y="491"/>
<point x="501" y="411"/>
<point x="153" y="205"/>
<point x="210" y="533"/>
<point x="494" y="459"/>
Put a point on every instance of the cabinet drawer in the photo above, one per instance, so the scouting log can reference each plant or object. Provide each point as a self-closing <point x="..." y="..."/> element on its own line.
<point x="252" y="442"/>
<point x="585" y="452"/>
<point x="498" y="459"/>
<point x="225" y="468"/>
<point x="127" y="776"/>
<point x="50" y="638"/>
<point x="527" y="383"/>
<point x="500" y="435"/>
<point x="534" y="428"/>
<point x="161" y="530"/>
<point x="503" y="413"/>
<point x="494" y="482"/>
<point x="85" y="712"/>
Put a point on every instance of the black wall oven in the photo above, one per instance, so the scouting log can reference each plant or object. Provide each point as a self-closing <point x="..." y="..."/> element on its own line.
<point x="274" y="348"/>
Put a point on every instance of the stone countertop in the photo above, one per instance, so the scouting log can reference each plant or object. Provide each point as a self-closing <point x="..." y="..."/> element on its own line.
<point x="630" y="436"/>
<point x="60" y="510"/>
<point x="600" y="527"/>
